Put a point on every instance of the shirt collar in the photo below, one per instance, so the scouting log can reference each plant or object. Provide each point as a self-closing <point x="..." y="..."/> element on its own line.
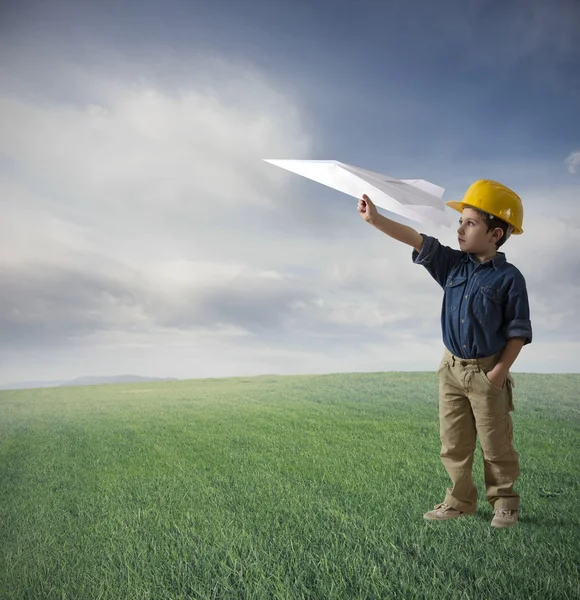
<point x="497" y="261"/>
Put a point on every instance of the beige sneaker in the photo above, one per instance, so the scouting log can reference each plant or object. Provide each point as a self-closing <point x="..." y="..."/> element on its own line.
<point x="504" y="517"/>
<point x="443" y="512"/>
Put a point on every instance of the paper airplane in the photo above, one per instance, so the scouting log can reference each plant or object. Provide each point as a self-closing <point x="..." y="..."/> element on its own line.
<point x="415" y="199"/>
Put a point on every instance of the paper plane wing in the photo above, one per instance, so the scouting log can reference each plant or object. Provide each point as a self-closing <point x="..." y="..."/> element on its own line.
<point x="415" y="199"/>
<point x="426" y="186"/>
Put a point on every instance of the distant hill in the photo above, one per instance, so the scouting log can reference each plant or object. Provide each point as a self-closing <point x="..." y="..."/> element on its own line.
<point x="27" y="385"/>
<point x="87" y="380"/>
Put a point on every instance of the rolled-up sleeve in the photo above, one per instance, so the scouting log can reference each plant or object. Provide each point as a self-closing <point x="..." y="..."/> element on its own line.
<point x="436" y="258"/>
<point x="517" y="312"/>
<point x="427" y="250"/>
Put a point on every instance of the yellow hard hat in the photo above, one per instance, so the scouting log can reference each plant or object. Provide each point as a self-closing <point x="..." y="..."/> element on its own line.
<point x="495" y="199"/>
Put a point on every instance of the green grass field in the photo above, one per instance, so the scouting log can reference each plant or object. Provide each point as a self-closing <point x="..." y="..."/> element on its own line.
<point x="275" y="487"/>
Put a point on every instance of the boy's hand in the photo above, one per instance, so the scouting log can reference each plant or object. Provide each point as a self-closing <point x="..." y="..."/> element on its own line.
<point x="403" y="233"/>
<point x="367" y="209"/>
<point x="497" y="376"/>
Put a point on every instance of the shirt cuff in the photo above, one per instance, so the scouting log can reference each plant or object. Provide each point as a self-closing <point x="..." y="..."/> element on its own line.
<point x="520" y="328"/>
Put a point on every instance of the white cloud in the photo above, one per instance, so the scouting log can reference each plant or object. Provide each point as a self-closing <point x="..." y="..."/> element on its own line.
<point x="145" y="224"/>
<point x="141" y="232"/>
<point x="573" y="162"/>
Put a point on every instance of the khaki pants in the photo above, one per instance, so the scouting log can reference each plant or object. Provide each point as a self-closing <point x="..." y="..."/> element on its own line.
<point x="471" y="405"/>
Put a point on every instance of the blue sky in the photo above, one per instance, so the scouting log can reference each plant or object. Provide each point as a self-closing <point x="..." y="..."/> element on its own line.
<point x="143" y="234"/>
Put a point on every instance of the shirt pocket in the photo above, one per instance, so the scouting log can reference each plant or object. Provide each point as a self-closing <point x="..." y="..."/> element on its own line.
<point x="454" y="289"/>
<point x="488" y="306"/>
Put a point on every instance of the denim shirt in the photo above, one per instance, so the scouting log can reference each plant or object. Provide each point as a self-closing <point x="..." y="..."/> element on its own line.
<point x="484" y="304"/>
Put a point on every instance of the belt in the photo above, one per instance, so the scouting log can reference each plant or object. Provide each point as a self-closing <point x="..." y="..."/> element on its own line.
<point x="484" y="361"/>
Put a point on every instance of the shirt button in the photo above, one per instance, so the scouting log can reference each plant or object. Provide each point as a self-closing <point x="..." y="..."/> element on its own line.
<point x="464" y="346"/>
<point x="466" y="296"/>
<point x="463" y="320"/>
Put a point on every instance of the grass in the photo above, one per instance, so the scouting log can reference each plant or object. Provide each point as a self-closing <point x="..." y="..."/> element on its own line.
<point x="275" y="488"/>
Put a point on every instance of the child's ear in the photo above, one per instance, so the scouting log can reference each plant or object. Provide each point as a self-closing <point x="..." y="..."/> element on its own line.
<point x="497" y="234"/>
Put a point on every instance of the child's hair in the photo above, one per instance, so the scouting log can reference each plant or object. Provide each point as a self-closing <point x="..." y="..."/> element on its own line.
<point x="493" y="222"/>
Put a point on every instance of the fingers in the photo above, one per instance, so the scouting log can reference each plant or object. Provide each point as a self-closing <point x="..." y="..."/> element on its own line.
<point x="364" y="203"/>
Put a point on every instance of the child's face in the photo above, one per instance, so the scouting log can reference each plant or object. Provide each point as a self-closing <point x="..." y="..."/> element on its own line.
<point x="472" y="234"/>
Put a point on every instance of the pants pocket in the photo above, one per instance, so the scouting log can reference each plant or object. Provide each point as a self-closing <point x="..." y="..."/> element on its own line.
<point x="489" y="382"/>
<point x="510" y="385"/>
<point x="444" y="365"/>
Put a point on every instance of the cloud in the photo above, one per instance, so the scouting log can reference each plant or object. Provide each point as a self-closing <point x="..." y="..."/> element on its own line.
<point x="573" y="162"/>
<point x="144" y="216"/>
<point x="141" y="231"/>
<point x="147" y="151"/>
<point x="52" y="304"/>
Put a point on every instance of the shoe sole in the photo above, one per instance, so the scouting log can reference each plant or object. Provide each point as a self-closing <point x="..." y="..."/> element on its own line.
<point x="446" y="518"/>
<point x="503" y="526"/>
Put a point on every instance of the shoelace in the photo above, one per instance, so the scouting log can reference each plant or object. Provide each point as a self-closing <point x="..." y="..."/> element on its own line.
<point x="503" y="512"/>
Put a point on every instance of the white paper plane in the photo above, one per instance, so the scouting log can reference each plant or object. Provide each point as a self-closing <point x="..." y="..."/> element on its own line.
<point x="415" y="199"/>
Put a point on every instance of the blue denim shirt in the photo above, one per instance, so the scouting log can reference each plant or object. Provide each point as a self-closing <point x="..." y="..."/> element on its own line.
<point x="484" y="304"/>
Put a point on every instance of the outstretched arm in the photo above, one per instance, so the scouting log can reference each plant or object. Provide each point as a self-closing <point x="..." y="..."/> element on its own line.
<point x="397" y="231"/>
<point x="427" y="250"/>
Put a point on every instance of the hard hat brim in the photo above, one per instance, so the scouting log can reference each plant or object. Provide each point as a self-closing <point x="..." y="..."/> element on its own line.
<point x="459" y="206"/>
<point x="455" y="205"/>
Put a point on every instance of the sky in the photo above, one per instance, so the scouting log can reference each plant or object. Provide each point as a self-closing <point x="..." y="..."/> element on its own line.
<point x="141" y="232"/>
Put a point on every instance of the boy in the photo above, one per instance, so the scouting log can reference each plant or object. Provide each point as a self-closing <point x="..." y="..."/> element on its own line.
<point x="485" y="322"/>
